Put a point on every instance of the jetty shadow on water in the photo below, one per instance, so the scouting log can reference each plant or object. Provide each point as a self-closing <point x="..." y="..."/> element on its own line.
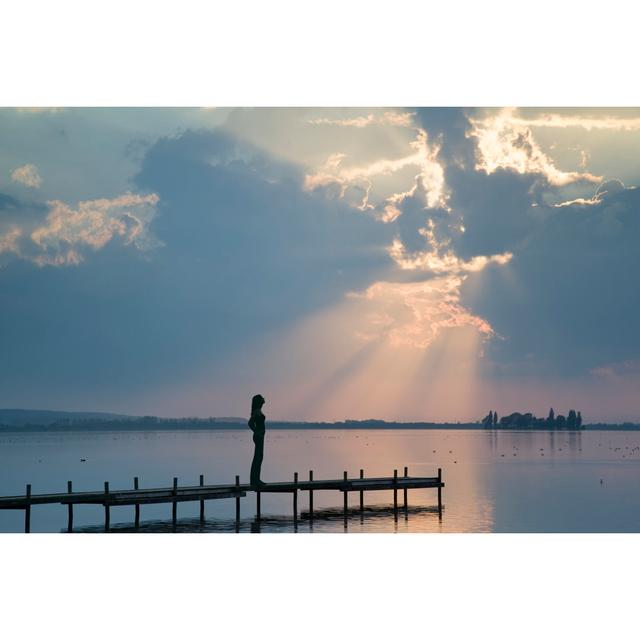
<point x="323" y="521"/>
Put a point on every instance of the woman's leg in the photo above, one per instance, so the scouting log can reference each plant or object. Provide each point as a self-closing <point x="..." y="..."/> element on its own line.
<point x="258" y="454"/>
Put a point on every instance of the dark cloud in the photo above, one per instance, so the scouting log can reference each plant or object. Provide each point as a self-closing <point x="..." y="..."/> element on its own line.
<point x="495" y="210"/>
<point x="448" y="126"/>
<point x="245" y="251"/>
<point x="241" y="221"/>
<point x="569" y="300"/>
<point x="610" y="187"/>
<point x="414" y="220"/>
<point x="8" y="203"/>
<point x="14" y="210"/>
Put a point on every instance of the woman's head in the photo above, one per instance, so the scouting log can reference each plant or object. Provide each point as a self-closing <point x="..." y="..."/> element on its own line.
<point x="256" y="402"/>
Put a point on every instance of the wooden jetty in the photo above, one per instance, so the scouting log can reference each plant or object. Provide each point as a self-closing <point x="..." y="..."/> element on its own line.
<point x="174" y="494"/>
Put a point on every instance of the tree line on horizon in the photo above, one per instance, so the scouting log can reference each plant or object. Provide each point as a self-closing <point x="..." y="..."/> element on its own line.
<point x="572" y="421"/>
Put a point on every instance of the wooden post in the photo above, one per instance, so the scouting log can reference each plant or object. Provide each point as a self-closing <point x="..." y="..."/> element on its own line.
<point x="346" y="499"/>
<point x="406" y="503"/>
<point x="440" y="493"/>
<point x="201" y="501"/>
<point x="295" y="501"/>
<point x="70" y="508"/>
<point x="395" y="495"/>
<point x="238" y="504"/>
<point x="27" y="511"/>
<point x="174" y="509"/>
<point x="106" y="507"/>
<point x="361" y="495"/>
<point x="136" y="486"/>
<point x="311" y="498"/>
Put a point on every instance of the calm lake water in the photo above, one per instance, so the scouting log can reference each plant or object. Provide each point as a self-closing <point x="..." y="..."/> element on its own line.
<point x="496" y="481"/>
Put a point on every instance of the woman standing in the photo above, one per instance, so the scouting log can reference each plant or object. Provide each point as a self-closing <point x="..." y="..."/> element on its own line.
<point x="256" y="423"/>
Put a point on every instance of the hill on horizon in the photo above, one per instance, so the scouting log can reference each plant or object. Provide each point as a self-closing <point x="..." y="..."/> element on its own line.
<point x="17" y="417"/>
<point x="49" y="416"/>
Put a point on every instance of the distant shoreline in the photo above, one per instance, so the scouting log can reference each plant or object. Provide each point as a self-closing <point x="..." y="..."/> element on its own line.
<point x="134" y="425"/>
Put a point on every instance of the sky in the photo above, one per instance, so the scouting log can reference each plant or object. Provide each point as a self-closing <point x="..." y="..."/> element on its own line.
<point x="347" y="263"/>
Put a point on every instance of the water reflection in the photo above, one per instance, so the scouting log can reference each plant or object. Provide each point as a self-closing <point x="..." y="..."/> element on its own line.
<point x="375" y="518"/>
<point x="510" y="442"/>
<point x="496" y="480"/>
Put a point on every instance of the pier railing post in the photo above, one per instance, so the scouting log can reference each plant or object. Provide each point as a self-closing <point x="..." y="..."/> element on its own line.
<point x="201" y="501"/>
<point x="440" y="493"/>
<point x="258" y="505"/>
<point x="405" y="490"/>
<point x="361" y="495"/>
<point x="27" y="511"/>
<point x="174" y="509"/>
<point x="237" y="504"/>
<point x="395" y="495"/>
<point x="295" y="501"/>
<point x="136" y="486"/>
<point x="346" y="499"/>
<point x="311" y="500"/>
<point x="69" y="508"/>
<point x="107" y="515"/>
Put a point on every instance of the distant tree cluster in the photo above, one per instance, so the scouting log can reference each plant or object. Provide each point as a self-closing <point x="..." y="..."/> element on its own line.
<point x="572" y="421"/>
<point x="527" y="420"/>
<point x="491" y="419"/>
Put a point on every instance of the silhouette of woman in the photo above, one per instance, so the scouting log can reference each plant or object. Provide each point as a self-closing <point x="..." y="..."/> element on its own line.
<point x="256" y="423"/>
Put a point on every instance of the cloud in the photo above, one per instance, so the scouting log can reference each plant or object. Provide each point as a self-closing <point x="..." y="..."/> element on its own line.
<point x="486" y="213"/>
<point x="87" y="152"/>
<point x="393" y="118"/>
<point x="61" y="238"/>
<point x="607" y="188"/>
<point x="407" y="191"/>
<point x="416" y="313"/>
<point x="424" y="223"/>
<point x="438" y="258"/>
<point x="559" y="121"/>
<point x="9" y="240"/>
<point x="369" y="159"/>
<point x="622" y="369"/>
<point x="246" y="252"/>
<point x="570" y="300"/>
<point x="420" y="235"/>
<point x="504" y="141"/>
<point x="38" y="110"/>
<point x="610" y="187"/>
<point x="27" y="175"/>
<point x="426" y="172"/>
